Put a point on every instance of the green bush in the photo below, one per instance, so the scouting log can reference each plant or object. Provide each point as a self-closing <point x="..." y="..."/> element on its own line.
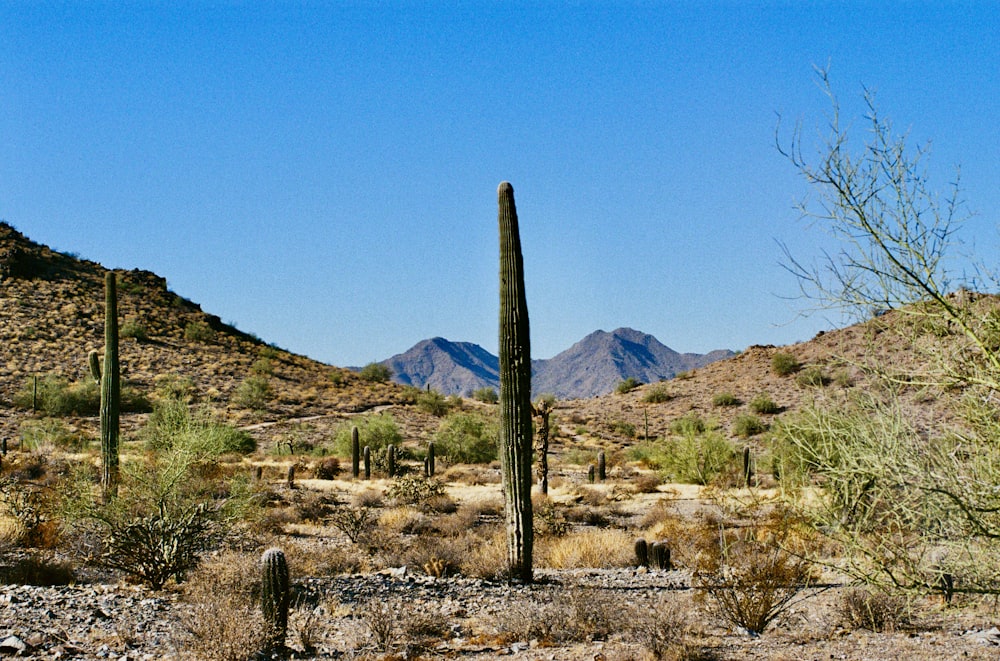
<point x="433" y="402"/>
<point x="36" y="434"/>
<point x="623" y="428"/>
<point x="696" y="458"/>
<point x="377" y="431"/>
<point x="135" y="329"/>
<point x="253" y="393"/>
<point x="467" y="438"/>
<point x="763" y="404"/>
<point x="413" y="489"/>
<point x="173" y="424"/>
<point x="198" y="331"/>
<point x="725" y="399"/>
<point x="375" y="373"/>
<point x="812" y="377"/>
<point x="784" y="364"/>
<point x="57" y="397"/>
<point x="486" y="395"/>
<point x="657" y="395"/>
<point x="262" y="367"/>
<point x="746" y="426"/>
<point x="628" y="385"/>
<point x="688" y="424"/>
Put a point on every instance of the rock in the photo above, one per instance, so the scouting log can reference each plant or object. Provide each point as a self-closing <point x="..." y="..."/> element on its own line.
<point x="12" y="645"/>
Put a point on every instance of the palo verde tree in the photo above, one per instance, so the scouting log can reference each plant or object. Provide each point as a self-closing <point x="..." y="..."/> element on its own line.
<point x="915" y="505"/>
<point x="515" y="392"/>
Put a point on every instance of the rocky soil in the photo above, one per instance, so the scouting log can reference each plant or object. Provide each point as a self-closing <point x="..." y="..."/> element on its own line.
<point x="465" y="618"/>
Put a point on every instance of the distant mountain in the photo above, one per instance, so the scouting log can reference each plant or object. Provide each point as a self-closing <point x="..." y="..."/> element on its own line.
<point x="593" y="366"/>
<point x="453" y="368"/>
<point x="598" y="362"/>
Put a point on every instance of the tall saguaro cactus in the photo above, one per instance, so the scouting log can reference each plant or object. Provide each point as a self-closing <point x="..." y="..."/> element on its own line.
<point x="515" y="391"/>
<point x="110" y="378"/>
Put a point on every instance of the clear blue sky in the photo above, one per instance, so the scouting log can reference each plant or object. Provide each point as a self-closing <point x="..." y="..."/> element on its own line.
<point x="324" y="174"/>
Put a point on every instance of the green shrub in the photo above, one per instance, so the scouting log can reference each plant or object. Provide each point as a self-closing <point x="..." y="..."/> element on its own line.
<point x="262" y="367"/>
<point x="746" y="426"/>
<point x="198" y="331"/>
<point x="377" y="431"/>
<point x="135" y="329"/>
<point x="784" y="364"/>
<point x="628" y="385"/>
<point x="467" y="438"/>
<point x="36" y="434"/>
<point x="812" y="377"/>
<point x="253" y="393"/>
<point x="657" y="395"/>
<point x="173" y="424"/>
<point x="763" y="404"/>
<point x="413" y="489"/>
<point x="486" y="395"/>
<point x="375" y="373"/>
<point x="623" y="428"/>
<point x="725" y="399"/>
<point x="688" y="424"/>
<point x="58" y="397"/>
<point x="433" y="402"/>
<point x="697" y="458"/>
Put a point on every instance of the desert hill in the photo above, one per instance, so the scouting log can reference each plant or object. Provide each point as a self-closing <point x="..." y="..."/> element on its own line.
<point x="593" y="366"/>
<point x="52" y="314"/>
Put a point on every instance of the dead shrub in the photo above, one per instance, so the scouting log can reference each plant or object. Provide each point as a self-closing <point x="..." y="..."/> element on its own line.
<point x="663" y="629"/>
<point x="745" y="572"/>
<point x="223" y="621"/>
<point x="563" y="616"/>
<point x="862" y="608"/>
<point x="487" y="559"/>
<point x="646" y="483"/>
<point x="355" y="522"/>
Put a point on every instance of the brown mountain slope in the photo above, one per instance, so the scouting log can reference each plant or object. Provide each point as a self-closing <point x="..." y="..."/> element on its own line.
<point x="52" y="312"/>
<point x="844" y="358"/>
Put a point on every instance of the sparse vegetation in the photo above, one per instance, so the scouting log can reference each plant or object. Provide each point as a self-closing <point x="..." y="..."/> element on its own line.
<point x="486" y="395"/>
<point x="784" y="364"/>
<point x="764" y="405"/>
<point x="198" y="331"/>
<point x="658" y="394"/>
<point x="725" y="399"/>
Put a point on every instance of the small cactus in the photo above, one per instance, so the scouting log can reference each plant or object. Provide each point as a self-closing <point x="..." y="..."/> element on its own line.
<point x="368" y="463"/>
<point x="391" y="461"/>
<point x="602" y="467"/>
<point x="660" y="556"/>
<point x="355" y="453"/>
<point x="274" y="595"/>
<point x="430" y="459"/>
<point x="590" y="473"/>
<point x="291" y="476"/>
<point x="641" y="552"/>
<point x="747" y="467"/>
<point x="94" y="359"/>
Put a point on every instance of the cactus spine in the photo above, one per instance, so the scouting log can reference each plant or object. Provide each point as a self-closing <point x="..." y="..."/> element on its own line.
<point x="515" y="391"/>
<point x="355" y="453"/>
<point x="110" y="380"/>
<point x="274" y="595"/>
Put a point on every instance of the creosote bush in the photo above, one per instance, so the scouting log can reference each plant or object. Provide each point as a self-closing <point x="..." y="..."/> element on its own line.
<point x="812" y="377"/>
<point x="467" y="438"/>
<point x="627" y="385"/>
<point x="746" y="426"/>
<point x="764" y="405"/>
<point x="377" y="431"/>
<point x="725" y="399"/>
<point x="657" y="395"/>
<point x="375" y="373"/>
<point x="486" y="395"/>
<point x="198" y="331"/>
<point x="253" y="393"/>
<point x="783" y="364"/>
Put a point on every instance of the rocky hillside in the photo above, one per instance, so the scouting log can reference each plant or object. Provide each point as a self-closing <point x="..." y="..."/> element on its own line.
<point x="593" y="366"/>
<point x="52" y="314"/>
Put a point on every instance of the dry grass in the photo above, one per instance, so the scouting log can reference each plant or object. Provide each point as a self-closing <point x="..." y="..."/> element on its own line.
<point x="602" y="548"/>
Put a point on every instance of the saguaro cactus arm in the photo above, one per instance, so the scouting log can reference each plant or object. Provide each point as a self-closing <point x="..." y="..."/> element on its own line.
<point x="515" y="391"/>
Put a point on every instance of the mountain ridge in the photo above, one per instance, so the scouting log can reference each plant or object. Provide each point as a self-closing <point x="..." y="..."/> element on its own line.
<point x="592" y="366"/>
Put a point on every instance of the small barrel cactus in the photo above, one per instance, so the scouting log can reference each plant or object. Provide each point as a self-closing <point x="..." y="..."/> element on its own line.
<point x="641" y="553"/>
<point x="274" y="595"/>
